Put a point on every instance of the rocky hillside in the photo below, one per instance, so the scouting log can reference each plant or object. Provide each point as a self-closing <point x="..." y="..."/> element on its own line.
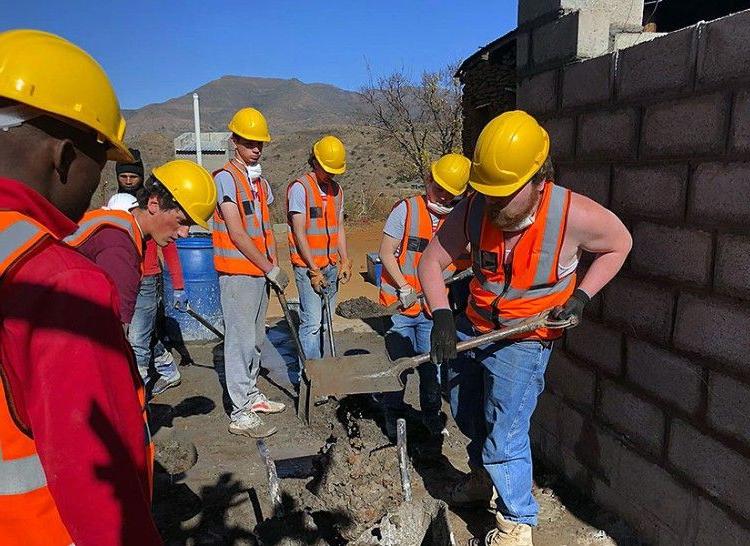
<point x="297" y="114"/>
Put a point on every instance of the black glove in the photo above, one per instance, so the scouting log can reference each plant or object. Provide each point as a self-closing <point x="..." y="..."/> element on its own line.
<point x="573" y="308"/>
<point x="443" y="337"/>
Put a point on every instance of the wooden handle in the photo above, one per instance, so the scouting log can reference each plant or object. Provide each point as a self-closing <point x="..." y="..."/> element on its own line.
<point x="490" y="337"/>
<point x="292" y="327"/>
<point x="394" y="307"/>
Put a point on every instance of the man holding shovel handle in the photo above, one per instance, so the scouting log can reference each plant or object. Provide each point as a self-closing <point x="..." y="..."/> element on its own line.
<point x="526" y="235"/>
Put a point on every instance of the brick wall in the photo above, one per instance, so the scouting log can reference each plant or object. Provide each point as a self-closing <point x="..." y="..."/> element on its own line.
<point x="648" y="403"/>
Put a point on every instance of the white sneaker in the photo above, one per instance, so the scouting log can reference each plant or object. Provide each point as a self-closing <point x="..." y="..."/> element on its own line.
<point x="249" y="424"/>
<point x="264" y="405"/>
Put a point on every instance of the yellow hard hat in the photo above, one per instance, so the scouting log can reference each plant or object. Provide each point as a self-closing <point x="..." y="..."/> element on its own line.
<point x="451" y="172"/>
<point x="51" y="74"/>
<point x="331" y="154"/>
<point x="249" y="123"/>
<point x="509" y="151"/>
<point x="191" y="186"/>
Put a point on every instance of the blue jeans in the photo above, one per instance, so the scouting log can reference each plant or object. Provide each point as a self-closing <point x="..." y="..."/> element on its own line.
<point x="312" y="328"/>
<point x="410" y="336"/>
<point x="493" y="392"/>
<point x="141" y="331"/>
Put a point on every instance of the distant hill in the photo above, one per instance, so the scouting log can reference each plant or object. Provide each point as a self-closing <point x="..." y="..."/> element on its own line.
<point x="289" y="105"/>
<point x="298" y="114"/>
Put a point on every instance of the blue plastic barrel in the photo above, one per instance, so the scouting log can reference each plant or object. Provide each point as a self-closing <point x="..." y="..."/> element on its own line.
<point x="201" y="284"/>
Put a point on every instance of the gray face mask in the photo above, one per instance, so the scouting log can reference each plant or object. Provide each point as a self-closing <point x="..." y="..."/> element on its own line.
<point x="437" y="208"/>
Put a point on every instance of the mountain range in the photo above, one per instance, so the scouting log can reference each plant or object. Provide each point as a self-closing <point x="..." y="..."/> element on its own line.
<point x="298" y="114"/>
<point x="288" y="105"/>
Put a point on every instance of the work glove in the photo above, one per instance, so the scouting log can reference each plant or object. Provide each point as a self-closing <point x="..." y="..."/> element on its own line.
<point x="318" y="280"/>
<point x="407" y="296"/>
<point x="572" y="310"/>
<point x="278" y="278"/>
<point x="443" y="336"/>
<point x="345" y="271"/>
<point x="179" y="299"/>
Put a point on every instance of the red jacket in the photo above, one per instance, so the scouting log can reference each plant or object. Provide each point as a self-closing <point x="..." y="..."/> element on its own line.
<point x="70" y="372"/>
<point x="151" y="265"/>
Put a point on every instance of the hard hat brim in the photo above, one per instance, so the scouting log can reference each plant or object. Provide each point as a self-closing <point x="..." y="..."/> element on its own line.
<point x="119" y="152"/>
<point x="331" y="170"/>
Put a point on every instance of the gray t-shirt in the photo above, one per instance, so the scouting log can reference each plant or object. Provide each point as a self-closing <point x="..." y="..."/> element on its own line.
<point x="298" y="201"/>
<point x="396" y="222"/>
<point x="227" y="192"/>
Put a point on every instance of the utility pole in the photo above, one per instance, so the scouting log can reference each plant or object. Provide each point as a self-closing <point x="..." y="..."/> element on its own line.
<point x="197" y="117"/>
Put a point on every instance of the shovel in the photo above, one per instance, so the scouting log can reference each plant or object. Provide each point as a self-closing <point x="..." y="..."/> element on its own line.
<point x="200" y="318"/>
<point x="370" y="373"/>
<point x="329" y="322"/>
<point x="303" y="401"/>
<point x="394" y="307"/>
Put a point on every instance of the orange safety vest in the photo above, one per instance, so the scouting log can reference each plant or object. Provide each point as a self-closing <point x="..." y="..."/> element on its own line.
<point x="94" y="220"/>
<point x="418" y="232"/>
<point x="321" y="223"/>
<point x="503" y="294"/>
<point x="28" y="514"/>
<point x="227" y="257"/>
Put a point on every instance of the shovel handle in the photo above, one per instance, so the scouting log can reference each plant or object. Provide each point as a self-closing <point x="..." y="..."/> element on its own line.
<point x="490" y="337"/>
<point x="292" y="328"/>
<point x="394" y="307"/>
<point x="200" y="318"/>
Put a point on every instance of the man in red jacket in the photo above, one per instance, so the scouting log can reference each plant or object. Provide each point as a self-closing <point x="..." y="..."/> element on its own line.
<point x="145" y="306"/>
<point x="73" y="454"/>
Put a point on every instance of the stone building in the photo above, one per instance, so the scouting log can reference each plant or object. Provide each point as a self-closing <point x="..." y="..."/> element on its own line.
<point x="647" y="407"/>
<point x="216" y="148"/>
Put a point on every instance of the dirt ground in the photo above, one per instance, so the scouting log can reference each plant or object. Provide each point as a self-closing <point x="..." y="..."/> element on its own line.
<point x="330" y="498"/>
<point x="361" y="240"/>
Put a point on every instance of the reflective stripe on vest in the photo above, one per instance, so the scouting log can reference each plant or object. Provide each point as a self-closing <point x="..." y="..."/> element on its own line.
<point x="505" y="294"/>
<point x="94" y="220"/>
<point x="17" y="235"/>
<point x="21" y="475"/>
<point x="227" y="257"/>
<point x="29" y="513"/>
<point x="322" y="231"/>
<point x="418" y="232"/>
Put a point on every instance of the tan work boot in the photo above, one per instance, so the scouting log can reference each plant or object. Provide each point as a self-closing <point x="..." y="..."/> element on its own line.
<point x="473" y="489"/>
<point x="508" y="533"/>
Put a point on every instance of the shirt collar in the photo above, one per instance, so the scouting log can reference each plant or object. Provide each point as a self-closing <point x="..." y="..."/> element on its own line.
<point x="19" y="197"/>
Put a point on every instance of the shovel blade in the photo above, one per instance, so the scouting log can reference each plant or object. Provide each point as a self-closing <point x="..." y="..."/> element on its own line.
<point x="355" y="374"/>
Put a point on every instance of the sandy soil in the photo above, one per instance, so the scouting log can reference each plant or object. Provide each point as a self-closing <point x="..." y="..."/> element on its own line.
<point x="224" y="498"/>
<point x="361" y="239"/>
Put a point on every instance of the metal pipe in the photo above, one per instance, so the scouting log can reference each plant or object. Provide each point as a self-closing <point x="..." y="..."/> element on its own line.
<point x="197" y="118"/>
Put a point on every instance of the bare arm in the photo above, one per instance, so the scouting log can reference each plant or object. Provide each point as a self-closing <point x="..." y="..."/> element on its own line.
<point x="448" y="244"/>
<point x="388" y="247"/>
<point x="231" y="214"/>
<point x="599" y="231"/>
<point x="300" y="239"/>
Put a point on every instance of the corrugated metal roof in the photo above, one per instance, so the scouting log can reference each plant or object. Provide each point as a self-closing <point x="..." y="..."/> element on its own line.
<point x="210" y="142"/>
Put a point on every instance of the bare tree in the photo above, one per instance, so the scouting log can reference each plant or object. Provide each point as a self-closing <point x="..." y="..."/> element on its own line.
<point x="423" y="116"/>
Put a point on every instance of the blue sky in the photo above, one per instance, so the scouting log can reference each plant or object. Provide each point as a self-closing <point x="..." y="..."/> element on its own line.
<point x="156" y="50"/>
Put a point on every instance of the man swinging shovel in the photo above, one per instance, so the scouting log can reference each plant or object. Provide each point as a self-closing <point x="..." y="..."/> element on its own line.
<point x="526" y="235"/>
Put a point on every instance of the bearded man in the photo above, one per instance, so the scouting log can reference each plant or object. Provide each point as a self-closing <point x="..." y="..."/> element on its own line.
<point x="527" y="235"/>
